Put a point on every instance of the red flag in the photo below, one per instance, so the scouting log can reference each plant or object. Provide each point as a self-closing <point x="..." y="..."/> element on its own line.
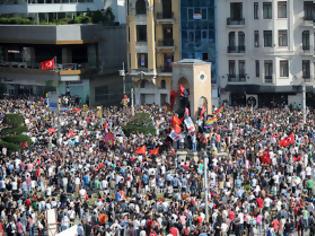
<point x="176" y="120"/>
<point x="219" y="110"/>
<point x="177" y="129"/>
<point x="71" y="133"/>
<point x="172" y="98"/>
<point x="291" y="139"/>
<point x="48" y="64"/>
<point x="141" y="150"/>
<point x="154" y="151"/>
<point x="202" y="112"/>
<point x="181" y="90"/>
<point x="51" y="131"/>
<point x="266" y="158"/>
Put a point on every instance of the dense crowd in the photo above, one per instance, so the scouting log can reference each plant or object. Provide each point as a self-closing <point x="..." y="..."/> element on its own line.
<point x="256" y="186"/>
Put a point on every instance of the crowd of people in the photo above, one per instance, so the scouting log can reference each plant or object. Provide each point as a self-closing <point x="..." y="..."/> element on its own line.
<point x="256" y="186"/>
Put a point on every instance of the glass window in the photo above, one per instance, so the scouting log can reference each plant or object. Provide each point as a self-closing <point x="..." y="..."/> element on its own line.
<point x="142" y="60"/>
<point x="141" y="8"/>
<point x="282" y="9"/>
<point x="190" y="14"/>
<point x="267" y="9"/>
<point x="256" y="38"/>
<point x="256" y="8"/>
<point x="204" y="13"/>
<point x="283" y="38"/>
<point x="257" y="68"/>
<point x="163" y="84"/>
<point x="141" y="33"/>
<point x="306" y="40"/>
<point x="284" y="69"/>
<point x="268" y="68"/>
<point x="308" y="10"/>
<point x="306" y="69"/>
<point x="241" y="39"/>
<point x="241" y="67"/>
<point x="236" y="10"/>
<point x="232" y="67"/>
<point x="267" y="38"/>
<point x="232" y="39"/>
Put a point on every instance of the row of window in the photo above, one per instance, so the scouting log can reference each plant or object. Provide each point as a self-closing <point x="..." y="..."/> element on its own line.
<point x="268" y="68"/>
<point x="236" y="10"/>
<point x="143" y="61"/>
<point x="282" y="39"/>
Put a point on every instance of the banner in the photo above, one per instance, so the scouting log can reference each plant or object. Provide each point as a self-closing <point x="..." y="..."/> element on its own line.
<point x="189" y="124"/>
<point x="48" y="64"/>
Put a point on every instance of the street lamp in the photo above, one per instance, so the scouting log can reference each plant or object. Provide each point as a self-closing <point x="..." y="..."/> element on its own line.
<point x="206" y="185"/>
<point x="123" y="74"/>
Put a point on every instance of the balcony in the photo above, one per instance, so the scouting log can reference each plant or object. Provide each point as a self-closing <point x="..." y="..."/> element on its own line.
<point x="236" y="49"/>
<point x="235" y="22"/>
<point x="306" y="47"/>
<point x="268" y="79"/>
<point x="166" y="44"/>
<point x="236" y="78"/>
<point x="165" y="18"/>
<point x="165" y="70"/>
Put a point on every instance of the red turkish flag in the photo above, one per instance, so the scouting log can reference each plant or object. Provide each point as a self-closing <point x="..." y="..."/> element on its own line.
<point x="154" y="151"/>
<point x="141" y="150"/>
<point x="48" y="64"/>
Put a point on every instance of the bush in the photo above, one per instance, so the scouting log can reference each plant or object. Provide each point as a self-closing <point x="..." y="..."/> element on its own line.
<point x="17" y="139"/>
<point x="141" y="123"/>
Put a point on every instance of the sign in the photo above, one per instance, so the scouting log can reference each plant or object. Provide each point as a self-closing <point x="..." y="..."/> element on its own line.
<point x="189" y="124"/>
<point x="51" y="218"/>
<point x="52" y="101"/>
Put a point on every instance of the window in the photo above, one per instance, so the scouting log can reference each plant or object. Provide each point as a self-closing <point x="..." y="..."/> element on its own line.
<point x="308" y="10"/>
<point x="163" y="84"/>
<point x="267" y="38"/>
<point x="141" y="33"/>
<point x="268" y="68"/>
<point x="267" y="9"/>
<point x="236" y="10"/>
<point x="306" y="69"/>
<point x="241" y="68"/>
<point x="283" y="38"/>
<point x="141" y="7"/>
<point x="284" y="69"/>
<point x="282" y="9"/>
<point x="241" y="39"/>
<point x="142" y="60"/>
<point x="232" y="39"/>
<point x="256" y="8"/>
<point x="232" y="68"/>
<point x="268" y="71"/>
<point x="306" y="40"/>
<point x="256" y="38"/>
<point x="257" y="68"/>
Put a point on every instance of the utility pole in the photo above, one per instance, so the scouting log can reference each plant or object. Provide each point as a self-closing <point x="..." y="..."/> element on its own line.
<point x="206" y="186"/>
<point x="132" y="104"/>
<point x="124" y="78"/>
<point x="304" y="102"/>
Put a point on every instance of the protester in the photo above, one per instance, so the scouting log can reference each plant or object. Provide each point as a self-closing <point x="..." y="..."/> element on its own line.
<point x="261" y="173"/>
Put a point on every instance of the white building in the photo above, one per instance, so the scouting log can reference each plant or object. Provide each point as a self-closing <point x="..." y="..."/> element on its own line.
<point x="60" y="8"/>
<point x="265" y="48"/>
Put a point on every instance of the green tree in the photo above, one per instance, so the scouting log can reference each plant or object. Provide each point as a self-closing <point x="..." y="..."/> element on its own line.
<point x="12" y="135"/>
<point x="141" y="123"/>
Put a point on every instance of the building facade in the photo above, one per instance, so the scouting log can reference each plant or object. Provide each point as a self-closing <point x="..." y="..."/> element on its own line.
<point x="198" y="31"/>
<point x="87" y="56"/>
<point x="266" y="51"/>
<point x="153" y="45"/>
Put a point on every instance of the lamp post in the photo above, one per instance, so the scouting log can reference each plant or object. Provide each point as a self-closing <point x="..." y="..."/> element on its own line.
<point x="123" y="74"/>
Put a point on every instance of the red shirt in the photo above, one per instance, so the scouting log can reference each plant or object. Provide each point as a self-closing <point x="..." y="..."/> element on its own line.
<point x="174" y="231"/>
<point x="231" y="215"/>
<point x="260" y="202"/>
